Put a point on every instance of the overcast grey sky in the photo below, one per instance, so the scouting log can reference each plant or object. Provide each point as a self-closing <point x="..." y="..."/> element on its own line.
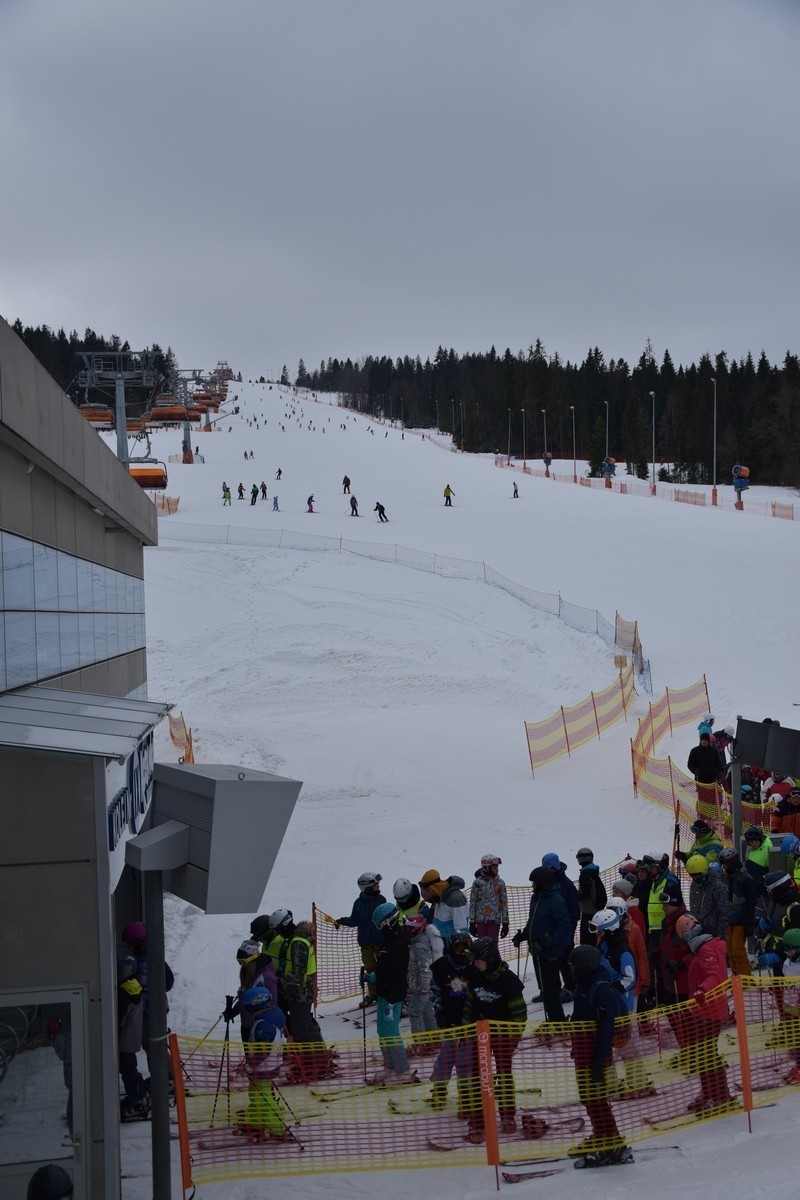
<point x="259" y="180"/>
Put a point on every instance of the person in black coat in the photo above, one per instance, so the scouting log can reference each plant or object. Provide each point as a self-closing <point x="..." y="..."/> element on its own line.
<point x="391" y="979"/>
<point x="451" y="975"/>
<point x="703" y="762"/>
<point x="570" y="894"/>
<point x="494" y="994"/>
<point x="742" y="893"/>
<point x="548" y="933"/>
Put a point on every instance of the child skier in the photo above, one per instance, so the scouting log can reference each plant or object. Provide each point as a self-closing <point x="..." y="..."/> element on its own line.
<point x="369" y="938"/>
<point x="488" y="901"/>
<point x="130" y="1015"/>
<point x="451" y="975"/>
<point x="391" y="977"/>
<point x="494" y="994"/>
<point x="262" y="1119"/>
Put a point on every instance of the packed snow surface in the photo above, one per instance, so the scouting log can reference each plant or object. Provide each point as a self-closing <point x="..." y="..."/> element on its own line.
<point x="398" y="696"/>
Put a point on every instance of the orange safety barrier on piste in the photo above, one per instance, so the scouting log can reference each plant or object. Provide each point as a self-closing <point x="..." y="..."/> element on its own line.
<point x="181" y="737"/>
<point x="673" y="1068"/>
<point x="575" y="725"/>
<point x="662" y="782"/>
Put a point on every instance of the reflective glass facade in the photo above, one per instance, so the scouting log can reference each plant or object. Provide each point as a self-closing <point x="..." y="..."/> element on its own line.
<point x="60" y="613"/>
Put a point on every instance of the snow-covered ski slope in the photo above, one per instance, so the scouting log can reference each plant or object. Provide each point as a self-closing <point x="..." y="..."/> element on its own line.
<point x="398" y="696"/>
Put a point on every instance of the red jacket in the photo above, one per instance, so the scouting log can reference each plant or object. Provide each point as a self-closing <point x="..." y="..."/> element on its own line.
<point x="786" y="818"/>
<point x="639" y="951"/>
<point x="637" y="918"/>
<point x="674" y="949"/>
<point x="708" y="968"/>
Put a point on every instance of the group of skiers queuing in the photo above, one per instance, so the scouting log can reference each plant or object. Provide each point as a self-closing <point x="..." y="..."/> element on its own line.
<point x="433" y="953"/>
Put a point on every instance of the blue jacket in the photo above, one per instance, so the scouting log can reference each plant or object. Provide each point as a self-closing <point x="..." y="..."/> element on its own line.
<point x="595" y="1000"/>
<point x="548" y="925"/>
<point x="361" y="919"/>
<point x="569" y="892"/>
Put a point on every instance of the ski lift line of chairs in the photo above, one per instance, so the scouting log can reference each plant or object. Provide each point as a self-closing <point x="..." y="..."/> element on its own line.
<point x="98" y="415"/>
<point x="149" y="475"/>
<point x="15" y="1030"/>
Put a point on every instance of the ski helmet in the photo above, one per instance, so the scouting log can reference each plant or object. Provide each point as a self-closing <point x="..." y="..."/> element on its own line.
<point x="126" y="965"/>
<point x="688" y="927"/>
<point x="617" y="904"/>
<point x="731" y="732"/>
<point x="368" y="879"/>
<point x="134" y="931"/>
<point x="791" y="939"/>
<point x="754" y="835"/>
<point x="50" y="1183"/>
<point x="650" y="860"/>
<point x="485" y="949"/>
<point x="491" y="860"/>
<point x="746" y="791"/>
<point x="700" y="826"/>
<point x="704" y="730"/>
<point x="585" y="959"/>
<point x="714" y="868"/>
<point x="248" y="952"/>
<point x="402" y="889"/>
<point x="584" y="855"/>
<point x="260" y="928"/>
<point x="430" y="878"/>
<point x="775" y="879"/>
<point x="629" y="867"/>
<point x="386" y="915"/>
<point x="708" y="718"/>
<point x="730" y="858"/>
<point x="671" y="895"/>
<point x="790" y="844"/>
<point x="605" y="921"/>
<point x="697" y="864"/>
<point x="460" y="944"/>
<point x="542" y="877"/>
<point x="280" y="920"/>
<point x="257" y="999"/>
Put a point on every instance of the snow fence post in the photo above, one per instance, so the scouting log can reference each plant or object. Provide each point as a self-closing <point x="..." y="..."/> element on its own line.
<point x="744" y="1049"/>
<point x="486" y="1076"/>
<point x="180" y="1109"/>
<point x="566" y="734"/>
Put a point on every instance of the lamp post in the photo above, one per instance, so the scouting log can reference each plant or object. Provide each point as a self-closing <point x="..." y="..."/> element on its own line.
<point x="461" y="406"/>
<point x="453" y="426"/>
<point x="574" y="455"/>
<point x="524" y="443"/>
<point x="606" y="404"/>
<point x="714" y="466"/>
<point x="653" y="398"/>
<point x="508" y="456"/>
<point x="437" y="414"/>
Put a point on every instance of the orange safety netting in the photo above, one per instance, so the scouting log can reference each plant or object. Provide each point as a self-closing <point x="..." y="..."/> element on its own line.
<point x="570" y="727"/>
<point x="672" y="1068"/>
<point x="181" y="737"/>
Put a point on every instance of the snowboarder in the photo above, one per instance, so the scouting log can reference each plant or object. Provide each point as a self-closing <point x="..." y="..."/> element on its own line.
<point x="263" y="490"/>
<point x="494" y="994"/>
<point x="278" y="473"/>
<point x="448" y="496"/>
<point x="346" y="486"/>
<point x="275" y="504"/>
<point x="391" y="979"/>
<point x="253" y="494"/>
<point x="488" y="901"/>
<point x="595" y="1004"/>
<point x="240" y="490"/>
<point x="381" y="511"/>
<point x="310" y="503"/>
<point x="516" y="493"/>
<point x="369" y="938"/>
<point x="226" y="496"/>
<point x="353" y="506"/>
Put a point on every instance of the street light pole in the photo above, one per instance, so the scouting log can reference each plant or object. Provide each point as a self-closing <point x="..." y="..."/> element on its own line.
<point x="437" y="414"/>
<point x="508" y="456"/>
<point x="524" y="443"/>
<point x="606" y="404"/>
<point x="544" y="452"/>
<point x="653" y="398"/>
<point x="714" y="468"/>
<point x="453" y="426"/>
<point x="574" y="455"/>
<point x="461" y="405"/>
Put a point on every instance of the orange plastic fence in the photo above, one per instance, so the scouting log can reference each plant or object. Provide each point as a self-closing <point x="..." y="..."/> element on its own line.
<point x="568" y="728"/>
<point x="672" y="1069"/>
<point x="181" y="737"/>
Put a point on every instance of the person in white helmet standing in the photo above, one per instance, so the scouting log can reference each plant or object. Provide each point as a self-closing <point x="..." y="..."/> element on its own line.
<point x="370" y="939"/>
<point x="488" y="901"/>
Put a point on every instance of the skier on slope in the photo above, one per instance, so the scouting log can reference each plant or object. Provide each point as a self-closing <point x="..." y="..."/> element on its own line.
<point x="353" y="506"/>
<point x="488" y="900"/>
<point x="448" y="496"/>
<point x="391" y="978"/>
<point x="369" y="938"/>
<point x="262" y="1120"/>
<point x="381" y="511"/>
<point x="494" y="994"/>
<point x="451" y="975"/>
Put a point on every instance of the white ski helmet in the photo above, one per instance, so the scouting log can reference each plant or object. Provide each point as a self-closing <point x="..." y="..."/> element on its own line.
<point x="402" y="888"/>
<point x="491" y="860"/>
<point x="279" y="919"/>
<point x="605" y="921"/>
<point x="617" y="904"/>
<point x="368" y="879"/>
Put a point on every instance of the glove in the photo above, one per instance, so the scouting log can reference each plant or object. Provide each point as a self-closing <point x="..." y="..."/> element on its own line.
<point x="327" y="917"/>
<point x="597" y="1073"/>
<point x="504" y="930"/>
<point x="473" y="929"/>
<point x="699" y="996"/>
<point x="228" y="1013"/>
<point x="769" y="960"/>
<point x="337" y="924"/>
<point x="517" y="939"/>
<point x="365" y="976"/>
<point x="764" y="924"/>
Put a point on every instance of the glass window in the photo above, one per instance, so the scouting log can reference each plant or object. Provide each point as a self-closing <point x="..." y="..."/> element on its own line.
<point x="86" y="638"/>
<point x="99" y="589"/>
<point x="67" y="582"/>
<point x="48" y="645"/>
<point x="17" y="572"/>
<point x="2" y="655"/>
<point x="45" y="577"/>
<point x="113" y="635"/>
<point x="100" y="637"/>
<point x="85" y="596"/>
<point x="130" y="594"/>
<point x="20" y="647"/>
<point x="70" y="641"/>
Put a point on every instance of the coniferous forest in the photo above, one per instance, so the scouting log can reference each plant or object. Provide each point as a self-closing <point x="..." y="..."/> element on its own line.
<point x="481" y="398"/>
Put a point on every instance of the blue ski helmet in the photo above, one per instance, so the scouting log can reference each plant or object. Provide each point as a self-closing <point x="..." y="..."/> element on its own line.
<point x="385" y="915"/>
<point x="257" y="999"/>
<point x="790" y="844"/>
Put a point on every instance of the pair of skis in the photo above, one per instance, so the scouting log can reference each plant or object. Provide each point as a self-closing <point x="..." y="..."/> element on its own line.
<point x="581" y="1162"/>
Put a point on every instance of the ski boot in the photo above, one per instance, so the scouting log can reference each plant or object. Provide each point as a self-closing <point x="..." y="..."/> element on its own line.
<point x="134" y="1110"/>
<point x="438" y="1097"/>
<point x="508" y="1125"/>
<point x="605" y="1158"/>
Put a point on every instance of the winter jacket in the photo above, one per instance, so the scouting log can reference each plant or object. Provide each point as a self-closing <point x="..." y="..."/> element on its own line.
<point x="568" y="891"/>
<point x="262" y="1057"/>
<point x="637" y="917"/>
<point x="786" y="818"/>
<point x="703" y="762"/>
<point x="130" y="1015"/>
<point x="674" y="956"/>
<point x="259" y="973"/>
<point x="449" y="992"/>
<point x="448" y="912"/>
<point x="638" y="945"/>
<point x="757" y="863"/>
<point x="495" y="996"/>
<point x="708" y="845"/>
<point x="488" y="899"/>
<point x="143" y="974"/>
<point x="775" y="790"/>
<point x="655" y="909"/>
<point x="708" y="967"/>
<point x="618" y="956"/>
<point x="591" y="892"/>
<point x="548" y="930"/>
<point x="301" y="965"/>
<point x="594" y="1001"/>
<point x="361" y="918"/>
<point x="413" y="904"/>
<point x="391" y="966"/>
<point x="741" y="898"/>
<point x="708" y="901"/>
<point x="772" y="908"/>
<point x="420" y="955"/>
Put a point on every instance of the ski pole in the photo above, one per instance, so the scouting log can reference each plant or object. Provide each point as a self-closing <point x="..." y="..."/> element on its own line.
<point x="364" y="1024"/>
<point x="204" y="1038"/>
<point x="225" y="1056"/>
